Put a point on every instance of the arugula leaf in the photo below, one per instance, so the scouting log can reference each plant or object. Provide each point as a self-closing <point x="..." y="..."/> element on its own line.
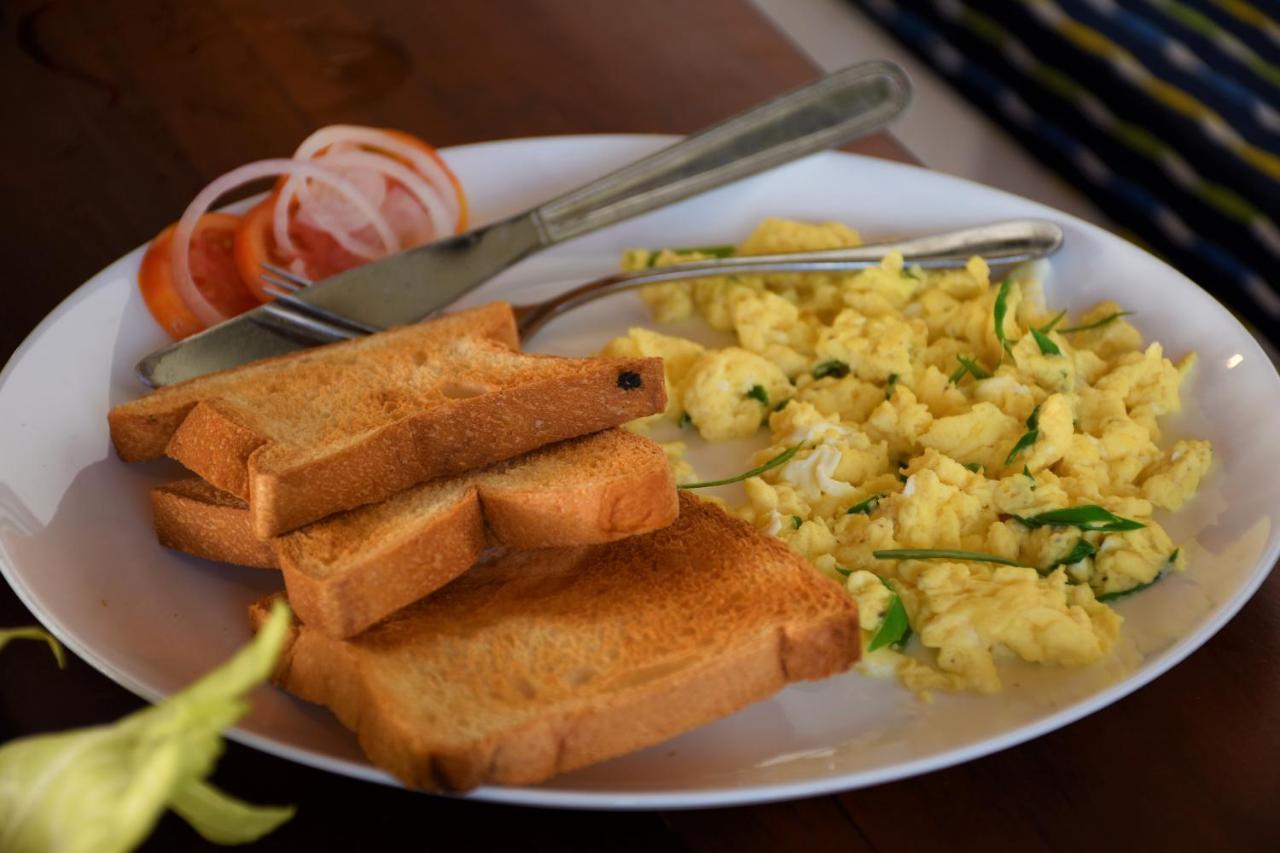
<point x="685" y="420"/>
<point x="757" y="392"/>
<point x="1087" y="517"/>
<point x="1174" y="556"/>
<point x="104" y="788"/>
<point x="890" y="385"/>
<point x="843" y="571"/>
<point x="796" y="521"/>
<point x="781" y="459"/>
<point x="968" y="365"/>
<point x="831" y="367"/>
<point x="1083" y="548"/>
<point x="1046" y="344"/>
<point x="35" y="632"/>
<point x="999" y="312"/>
<point x="865" y="507"/>
<point x="1028" y="438"/>
<point x="1026" y="472"/>
<point x="1112" y="596"/>
<point x="975" y="467"/>
<point x="895" y="629"/>
<point x="945" y="554"/>
<point x="782" y="405"/>
<point x="721" y="251"/>
<point x="1097" y="324"/>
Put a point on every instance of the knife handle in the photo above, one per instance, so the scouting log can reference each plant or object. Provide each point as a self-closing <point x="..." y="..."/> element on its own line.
<point x="835" y="110"/>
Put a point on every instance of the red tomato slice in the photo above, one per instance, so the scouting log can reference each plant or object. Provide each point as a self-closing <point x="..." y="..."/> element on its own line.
<point x="255" y="244"/>
<point x="212" y="266"/>
<point x="410" y="139"/>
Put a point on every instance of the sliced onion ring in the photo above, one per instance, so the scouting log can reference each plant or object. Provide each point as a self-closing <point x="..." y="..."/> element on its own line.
<point x="422" y="162"/>
<point x="427" y="195"/>
<point x="319" y="214"/>
<point x="181" y="251"/>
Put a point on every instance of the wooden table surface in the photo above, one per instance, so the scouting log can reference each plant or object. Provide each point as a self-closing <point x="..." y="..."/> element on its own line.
<point x="116" y="113"/>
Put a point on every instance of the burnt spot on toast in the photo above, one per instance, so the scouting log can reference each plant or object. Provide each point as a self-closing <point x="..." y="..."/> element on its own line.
<point x="629" y="380"/>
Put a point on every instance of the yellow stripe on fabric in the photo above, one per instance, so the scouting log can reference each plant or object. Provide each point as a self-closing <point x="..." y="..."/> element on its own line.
<point x="1171" y="96"/>
<point x="1246" y="13"/>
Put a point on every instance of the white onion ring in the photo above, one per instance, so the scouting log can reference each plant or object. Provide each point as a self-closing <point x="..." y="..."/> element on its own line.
<point x="422" y="163"/>
<point x="431" y="199"/>
<point x="180" y="256"/>
<point x="342" y="233"/>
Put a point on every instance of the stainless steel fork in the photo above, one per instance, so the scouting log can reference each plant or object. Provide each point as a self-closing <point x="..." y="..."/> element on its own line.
<point x="1007" y="242"/>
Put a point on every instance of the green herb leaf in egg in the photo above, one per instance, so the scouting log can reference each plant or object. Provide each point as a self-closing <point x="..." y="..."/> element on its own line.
<point x="1046" y="344"/>
<point x="1087" y="517"/>
<point x="945" y="554"/>
<point x="1028" y="438"/>
<point x="1097" y="324"/>
<point x="998" y="314"/>
<point x="831" y="367"/>
<point x="865" y="507"/>
<point x="757" y="392"/>
<point x="895" y="628"/>
<point x="781" y="459"/>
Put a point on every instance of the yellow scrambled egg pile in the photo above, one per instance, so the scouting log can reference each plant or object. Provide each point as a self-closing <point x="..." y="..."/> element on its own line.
<point x="937" y="411"/>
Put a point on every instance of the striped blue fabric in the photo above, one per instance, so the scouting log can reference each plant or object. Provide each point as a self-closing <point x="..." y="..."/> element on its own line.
<point x="1166" y="113"/>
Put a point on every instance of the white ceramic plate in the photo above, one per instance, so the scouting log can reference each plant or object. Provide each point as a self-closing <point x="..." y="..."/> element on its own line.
<point x="76" y="541"/>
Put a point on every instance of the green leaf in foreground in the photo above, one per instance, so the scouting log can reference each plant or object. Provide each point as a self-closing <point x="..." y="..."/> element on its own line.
<point x="945" y="554"/>
<point x="890" y="385"/>
<point x="781" y="459"/>
<point x="1046" y="344"/>
<point x="1028" y="438"/>
<point x="104" y="788"/>
<point x="757" y="392"/>
<point x="35" y="633"/>
<point x="895" y="628"/>
<point x="831" y="367"/>
<point x="685" y="420"/>
<point x="1053" y="324"/>
<point x="1097" y="324"/>
<point x="1087" y="517"/>
<point x="1112" y="596"/>
<point x="796" y="521"/>
<point x="865" y="507"/>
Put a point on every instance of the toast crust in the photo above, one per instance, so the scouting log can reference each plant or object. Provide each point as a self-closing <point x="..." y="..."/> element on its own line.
<point x="193" y="517"/>
<point x="537" y="680"/>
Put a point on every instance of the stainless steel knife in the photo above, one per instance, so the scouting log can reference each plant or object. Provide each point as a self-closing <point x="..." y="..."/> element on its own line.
<point x="408" y="286"/>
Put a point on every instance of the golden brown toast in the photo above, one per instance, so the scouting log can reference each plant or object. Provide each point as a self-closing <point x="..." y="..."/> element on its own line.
<point x="350" y="570"/>
<point x="546" y="661"/>
<point x="308" y="434"/>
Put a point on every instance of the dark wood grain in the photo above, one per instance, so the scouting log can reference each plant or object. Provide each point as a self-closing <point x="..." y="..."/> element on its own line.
<point x="116" y="113"/>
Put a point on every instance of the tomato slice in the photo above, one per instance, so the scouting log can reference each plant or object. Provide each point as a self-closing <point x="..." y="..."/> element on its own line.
<point x="212" y="266"/>
<point x="255" y="244"/>
<point x="431" y="152"/>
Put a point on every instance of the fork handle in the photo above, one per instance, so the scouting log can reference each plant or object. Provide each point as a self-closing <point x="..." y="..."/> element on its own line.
<point x="835" y="110"/>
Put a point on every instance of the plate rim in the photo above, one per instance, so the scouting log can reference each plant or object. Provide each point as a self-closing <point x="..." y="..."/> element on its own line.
<point x="552" y="797"/>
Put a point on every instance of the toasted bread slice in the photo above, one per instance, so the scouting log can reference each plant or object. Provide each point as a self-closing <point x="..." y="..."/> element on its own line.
<point x="199" y="519"/>
<point x="309" y="434"/>
<point x="350" y="570"/>
<point x="546" y="661"/>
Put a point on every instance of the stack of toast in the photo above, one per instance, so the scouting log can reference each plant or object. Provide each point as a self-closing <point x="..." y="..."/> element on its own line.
<point x="492" y="582"/>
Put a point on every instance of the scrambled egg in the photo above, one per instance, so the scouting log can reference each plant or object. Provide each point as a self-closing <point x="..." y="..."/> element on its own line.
<point x="938" y="411"/>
